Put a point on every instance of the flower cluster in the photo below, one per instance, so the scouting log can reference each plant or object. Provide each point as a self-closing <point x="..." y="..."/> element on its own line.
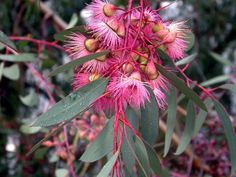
<point x="132" y="37"/>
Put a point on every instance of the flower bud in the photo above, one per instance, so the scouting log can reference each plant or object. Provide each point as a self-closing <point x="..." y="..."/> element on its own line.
<point x="135" y="56"/>
<point x="151" y="71"/>
<point x="157" y="27"/>
<point x="127" y="67"/>
<point x="109" y="10"/>
<point x="142" y="67"/>
<point x="143" y="59"/>
<point x="121" y="31"/>
<point x="91" y="44"/>
<point x="136" y="75"/>
<point x="113" y="24"/>
<point x="94" y="77"/>
<point x="101" y="58"/>
<point x="170" y="37"/>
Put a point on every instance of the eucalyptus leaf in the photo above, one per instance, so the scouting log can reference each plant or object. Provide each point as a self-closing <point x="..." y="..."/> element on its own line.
<point x="12" y="72"/>
<point x="171" y="118"/>
<point x="150" y="119"/>
<point x="215" y="80"/>
<point x="1" y="70"/>
<point x="31" y="99"/>
<point x="61" y="172"/>
<point x="179" y="84"/>
<point x="229" y="133"/>
<point x="220" y="59"/>
<point x="61" y="36"/>
<point x="73" y="104"/>
<point x="188" y="130"/>
<point x="108" y="166"/>
<point x="23" y="57"/>
<point x="6" y="41"/>
<point x="229" y="87"/>
<point x="77" y="62"/>
<point x="190" y="38"/>
<point x="26" y="129"/>
<point x="186" y="60"/>
<point x="102" y="145"/>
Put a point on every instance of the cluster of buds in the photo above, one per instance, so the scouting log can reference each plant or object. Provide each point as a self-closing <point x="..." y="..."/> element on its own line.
<point x="132" y="36"/>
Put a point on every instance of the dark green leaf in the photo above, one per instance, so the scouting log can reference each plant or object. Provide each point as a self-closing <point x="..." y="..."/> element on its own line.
<point x="186" y="60"/>
<point x="229" y="87"/>
<point x="150" y="119"/>
<point x="108" y="166"/>
<point x="179" y="84"/>
<point x="73" y="104"/>
<point x="61" y="36"/>
<point x="229" y="133"/>
<point x="23" y="57"/>
<point x="141" y="153"/>
<point x="155" y="163"/>
<point x="201" y="117"/>
<point x="188" y="130"/>
<point x="102" y="145"/>
<point x="215" y="80"/>
<point x="220" y="59"/>
<point x="40" y="153"/>
<point x="6" y="41"/>
<point x="77" y="62"/>
<point x="31" y="99"/>
<point x="12" y="72"/>
<point x="171" y="118"/>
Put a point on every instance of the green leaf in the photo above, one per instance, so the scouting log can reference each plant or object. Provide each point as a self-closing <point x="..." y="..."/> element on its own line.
<point x="201" y="117"/>
<point x="108" y="166"/>
<point x="186" y="60"/>
<point x="77" y="62"/>
<point x="155" y="163"/>
<point x="61" y="172"/>
<point x="31" y="99"/>
<point x="188" y="130"/>
<point x="102" y="145"/>
<point x="61" y="36"/>
<point x="26" y="129"/>
<point x="73" y="104"/>
<point x="141" y="153"/>
<point x="40" y="153"/>
<point x="229" y="133"/>
<point x="229" y="87"/>
<point x="6" y="41"/>
<point x="220" y="59"/>
<point x="179" y="84"/>
<point x="23" y="57"/>
<point x="12" y="72"/>
<point x="215" y="80"/>
<point x="190" y="38"/>
<point x="171" y="118"/>
<point x="74" y="19"/>
<point x="150" y="119"/>
<point x="1" y="70"/>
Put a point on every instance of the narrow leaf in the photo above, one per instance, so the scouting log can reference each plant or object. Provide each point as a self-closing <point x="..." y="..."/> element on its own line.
<point x="12" y="72"/>
<point x="31" y="99"/>
<point x="61" y="36"/>
<point x="1" y="70"/>
<point x="190" y="37"/>
<point x="171" y="118"/>
<point x="73" y="104"/>
<point x="26" y="129"/>
<point x="155" y="163"/>
<point x="186" y="60"/>
<point x="142" y="156"/>
<point x="179" y="84"/>
<point x="6" y="41"/>
<point x="188" y="130"/>
<point x="229" y="87"/>
<point x="201" y="117"/>
<point x="150" y="119"/>
<point x="215" y="80"/>
<point x="229" y="133"/>
<point x="102" y="145"/>
<point x="23" y="57"/>
<point x="108" y="166"/>
<point x="77" y="62"/>
<point x="220" y="59"/>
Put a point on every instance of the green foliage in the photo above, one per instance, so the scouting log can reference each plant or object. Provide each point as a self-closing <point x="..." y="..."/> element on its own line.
<point x="12" y="72"/>
<point x="23" y="57"/>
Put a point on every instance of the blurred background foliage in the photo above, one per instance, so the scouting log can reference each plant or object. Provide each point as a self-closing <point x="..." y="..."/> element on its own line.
<point x="212" y="21"/>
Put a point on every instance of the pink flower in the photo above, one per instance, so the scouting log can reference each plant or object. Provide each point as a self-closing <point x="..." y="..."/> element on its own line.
<point x="149" y="15"/>
<point x="100" y="11"/>
<point x="160" y="98"/>
<point x="129" y="89"/>
<point x="78" y="45"/>
<point x="110" y="33"/>
<point x="96" y="65"/>
<point x="82" y="79"/>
